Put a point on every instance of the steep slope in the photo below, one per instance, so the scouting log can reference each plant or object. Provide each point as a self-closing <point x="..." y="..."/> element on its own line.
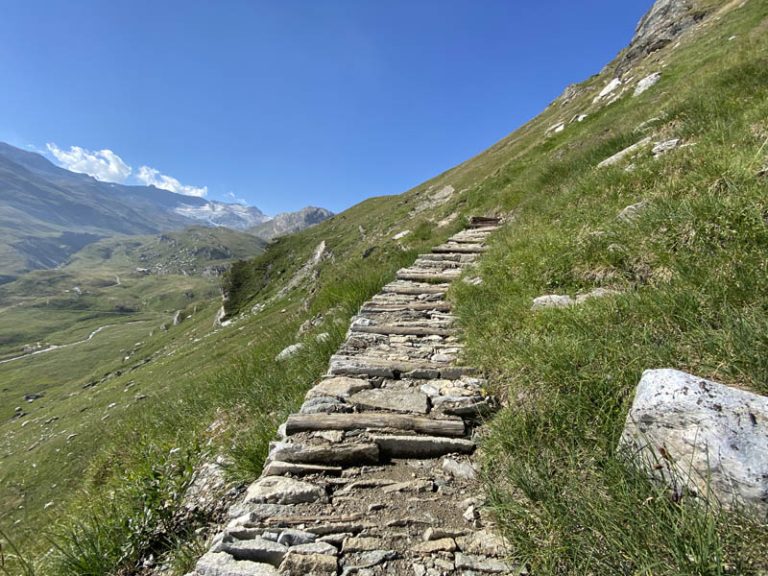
<point x="685" y="264"/>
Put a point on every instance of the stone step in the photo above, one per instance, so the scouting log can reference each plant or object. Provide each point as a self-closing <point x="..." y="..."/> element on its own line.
<point x="485" y="222"/>
<point x="421" y="275"/>
<point x="459" y="249"/>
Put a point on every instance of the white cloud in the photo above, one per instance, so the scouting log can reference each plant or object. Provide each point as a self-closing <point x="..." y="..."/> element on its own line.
<point x="152" y="177"/>
<point x="103" y="165"/>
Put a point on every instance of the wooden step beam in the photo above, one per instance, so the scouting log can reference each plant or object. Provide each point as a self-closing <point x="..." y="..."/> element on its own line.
<point x="374" y="420"/>
<point x="403" y="330"/>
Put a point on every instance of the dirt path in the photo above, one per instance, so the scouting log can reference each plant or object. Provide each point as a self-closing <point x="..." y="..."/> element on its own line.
<point x="53" y="347"/>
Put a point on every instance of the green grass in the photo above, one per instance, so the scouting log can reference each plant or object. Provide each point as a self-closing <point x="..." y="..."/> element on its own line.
<point x="690" y="268"/>
<point x="692" y="273"/>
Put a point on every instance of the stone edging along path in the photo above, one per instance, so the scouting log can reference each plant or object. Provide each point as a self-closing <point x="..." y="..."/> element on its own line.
<point x="375" y="474"/>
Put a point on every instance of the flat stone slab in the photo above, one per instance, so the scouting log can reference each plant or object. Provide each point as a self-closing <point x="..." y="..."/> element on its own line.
<point x="711" y="438"/>
<point x="352" y="454"/>
<point x="340" y="387"/>
<point x="222" y="564"/>
<point x="278" y="490"/>
<point x="405" y="401"/>
<point x="256" y="549"/>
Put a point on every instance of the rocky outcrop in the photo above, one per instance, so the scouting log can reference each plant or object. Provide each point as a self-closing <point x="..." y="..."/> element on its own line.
<point x="665" y="22"/>
<point x="701" y="437"/>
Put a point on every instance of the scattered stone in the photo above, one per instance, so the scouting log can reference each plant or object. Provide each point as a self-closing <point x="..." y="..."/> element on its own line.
<point x="462" y="470"/>
<point x="552" y="301"/>
<point x="371" y="559"/>
<point x="417" y="486"/>
<point x="362" y="544"/>
<point x="596" y="293"/>
<point x="324" y="405"/>
<point x="32" y="397"/>
<point x="631" y="212"/>
<point x="555" y="129"/>
<point x="607" y="91"/>
<point x="662" y="148"/>
<point x="619" y="156"/>
<point x="481" y="564"/>
<point x="401" y="235"/>
<point x="647" y="83"/>
<point x="701" y="435"/>
<point x="482" y="542"/>
<point x="435" y="546"/>
<point x="296" y="538"/>
<point x="278" y="490"/>
<point x="289" y="352"/>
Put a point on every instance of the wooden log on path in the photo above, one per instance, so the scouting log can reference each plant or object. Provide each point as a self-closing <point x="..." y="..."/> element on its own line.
<point x="314" y="422"/>
<point x="403" y="330"/>
<point x="422" y="446"/>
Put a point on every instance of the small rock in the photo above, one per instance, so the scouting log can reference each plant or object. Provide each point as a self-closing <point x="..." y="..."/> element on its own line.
<point x="362" y="544"/>
<point x="647" y="83"/>
<point x="278" y="490"/>
<point x="481" y="564"/>
<point x="662" y="148"/>
<point x="471" y="514"/>
<point x="401" y="235"/>
<point x="435" y="546"/>
<point x="552" y="301"/>
<point x="295" y="538"/>
<point x="32" y="397"/>
<point x="555" y="129"/>
<point x="619" y="156"/>
<point x="373" y="558"/>
<point x="289" y="351"/>
<point x="463" y="470"/>
<point x="596" y="293"/>
<point x="631" y="212"/>
<point x="607" y="91"/>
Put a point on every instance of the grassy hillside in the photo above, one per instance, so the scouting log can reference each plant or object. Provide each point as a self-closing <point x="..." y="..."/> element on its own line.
<point x="689" y="267"/>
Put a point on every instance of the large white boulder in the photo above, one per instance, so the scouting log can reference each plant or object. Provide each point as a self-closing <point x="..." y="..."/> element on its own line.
<point x="709" y="438"/>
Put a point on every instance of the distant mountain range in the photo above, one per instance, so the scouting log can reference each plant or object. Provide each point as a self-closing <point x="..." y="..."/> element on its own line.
<point x="48" y="213"/>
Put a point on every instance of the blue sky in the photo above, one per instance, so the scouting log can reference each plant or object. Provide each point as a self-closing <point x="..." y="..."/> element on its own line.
<point x="285" y="103"/>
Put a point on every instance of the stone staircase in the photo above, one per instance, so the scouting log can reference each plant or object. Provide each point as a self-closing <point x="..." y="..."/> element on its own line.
<point x="375" y="474"/>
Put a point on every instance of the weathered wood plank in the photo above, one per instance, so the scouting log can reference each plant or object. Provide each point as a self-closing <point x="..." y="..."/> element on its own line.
<point x="459" y="249"/>
<point x="277" y="468"/>
<point x="403" y="330"/>
<point x="416" y="306"/>
<point x="415" y="290"/>
<point x="422" y="446"/>
<point x="335" y="455"/>
<point x="426" y="276"/>
<point x="313" y="422"/>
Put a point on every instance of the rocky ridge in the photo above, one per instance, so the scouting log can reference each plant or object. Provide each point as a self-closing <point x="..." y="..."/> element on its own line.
<point x="375" y="474"/>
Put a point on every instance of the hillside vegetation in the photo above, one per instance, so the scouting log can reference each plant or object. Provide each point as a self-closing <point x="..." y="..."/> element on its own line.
<point x="688" y="263"/>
